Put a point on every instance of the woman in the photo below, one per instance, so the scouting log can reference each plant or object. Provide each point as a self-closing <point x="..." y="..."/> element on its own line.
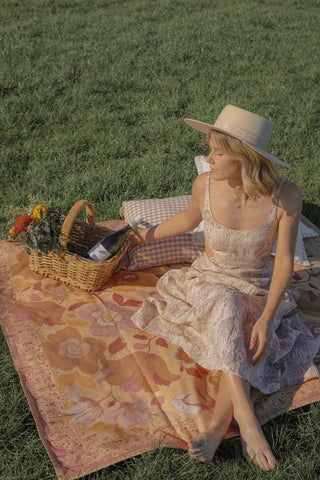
<point x="230" y="310"/>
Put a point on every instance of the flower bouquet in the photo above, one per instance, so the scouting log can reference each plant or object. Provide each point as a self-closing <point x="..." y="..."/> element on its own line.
<point x="58" y="244"/>
<point x="39" y="229"/>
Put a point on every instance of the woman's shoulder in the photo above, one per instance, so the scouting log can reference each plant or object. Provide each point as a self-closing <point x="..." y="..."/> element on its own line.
<point x="201" y="180"/>
<point x="289" y="188"/>
<point x="290" y="197"/>
<point x="199" y="188"/>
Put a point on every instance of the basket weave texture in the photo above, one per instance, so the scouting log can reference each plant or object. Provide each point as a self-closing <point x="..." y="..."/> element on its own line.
<point x="70" y="267"/>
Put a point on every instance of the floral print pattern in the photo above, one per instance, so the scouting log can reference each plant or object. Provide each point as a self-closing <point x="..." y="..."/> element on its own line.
<point x="98" y="386"/>
<point x="85" y="410"/>
<point x="135" y="413"/>
<point x="67" y="349"/>
<point x="106" y="319"/>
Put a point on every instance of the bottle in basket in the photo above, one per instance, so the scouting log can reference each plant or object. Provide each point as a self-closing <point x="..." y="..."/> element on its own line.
<point x="110" y="244"/>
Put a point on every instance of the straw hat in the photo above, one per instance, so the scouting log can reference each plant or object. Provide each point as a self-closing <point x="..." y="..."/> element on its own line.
<point x="254" y="130"/>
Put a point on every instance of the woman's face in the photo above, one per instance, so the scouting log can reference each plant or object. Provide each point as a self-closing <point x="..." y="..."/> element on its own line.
<point x="222" y="165"/>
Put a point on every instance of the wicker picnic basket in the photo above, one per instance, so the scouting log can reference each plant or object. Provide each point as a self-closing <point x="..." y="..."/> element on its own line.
<point x="70" y="267"/>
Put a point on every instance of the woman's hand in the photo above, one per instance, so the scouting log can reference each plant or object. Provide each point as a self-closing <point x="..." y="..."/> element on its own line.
<point x="137" y="236"/>
<point x="261" y="336"/>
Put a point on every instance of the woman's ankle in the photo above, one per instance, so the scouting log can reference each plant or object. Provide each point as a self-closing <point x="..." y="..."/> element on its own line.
<point x="245" y="417"/>
<point x="220" y="427"/>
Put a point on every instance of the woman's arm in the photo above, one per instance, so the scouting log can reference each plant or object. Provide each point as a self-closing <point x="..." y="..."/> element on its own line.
<point x="290" y="204"/>
<point x="180" y="223"/>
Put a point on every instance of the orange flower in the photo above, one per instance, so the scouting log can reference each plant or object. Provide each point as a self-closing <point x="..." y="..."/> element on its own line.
<point x="36" y="211"/>
<point x="66" y="349"/>
<point x="22" y="222"/>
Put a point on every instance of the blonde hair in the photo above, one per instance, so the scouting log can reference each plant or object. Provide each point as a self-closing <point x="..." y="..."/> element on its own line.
<point x="259" y="175"/>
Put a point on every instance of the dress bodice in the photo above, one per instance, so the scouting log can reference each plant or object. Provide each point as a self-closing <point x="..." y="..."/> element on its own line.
<point x="234" y="248"/>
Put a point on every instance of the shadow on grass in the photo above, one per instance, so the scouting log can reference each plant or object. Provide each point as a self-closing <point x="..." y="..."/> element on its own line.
<point x="312" y="212"/>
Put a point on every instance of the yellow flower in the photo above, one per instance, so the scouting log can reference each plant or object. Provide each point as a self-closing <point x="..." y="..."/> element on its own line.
<point x="13" y="232"/>
<point x="36" y="211"/>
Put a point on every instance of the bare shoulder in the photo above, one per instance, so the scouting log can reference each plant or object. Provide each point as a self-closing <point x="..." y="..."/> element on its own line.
<point x="199" y="189"/>
<point x="201" y="179"/>
<point x="199" y="184"/>
<point x="290" y="200"/>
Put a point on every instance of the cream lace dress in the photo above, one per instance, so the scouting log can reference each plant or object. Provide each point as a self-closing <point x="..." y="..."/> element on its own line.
<point x="210" y="308"/>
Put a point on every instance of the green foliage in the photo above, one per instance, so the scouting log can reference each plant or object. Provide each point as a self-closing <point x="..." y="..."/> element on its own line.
<point x="93" y="94"/>
<point x="92" y="100"/>
<point x="44" y="234"/>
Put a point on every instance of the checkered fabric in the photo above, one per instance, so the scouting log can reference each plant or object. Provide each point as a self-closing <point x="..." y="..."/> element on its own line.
<point x="183" y="248"/>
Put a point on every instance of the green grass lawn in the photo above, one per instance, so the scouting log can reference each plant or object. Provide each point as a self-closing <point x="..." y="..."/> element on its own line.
<point x="92" y="99"/>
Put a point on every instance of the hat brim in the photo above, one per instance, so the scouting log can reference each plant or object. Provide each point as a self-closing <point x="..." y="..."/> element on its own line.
<point x="206" y="128"/>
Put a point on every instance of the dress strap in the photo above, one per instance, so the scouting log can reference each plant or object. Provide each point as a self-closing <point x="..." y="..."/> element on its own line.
<point x="207" y="195"/>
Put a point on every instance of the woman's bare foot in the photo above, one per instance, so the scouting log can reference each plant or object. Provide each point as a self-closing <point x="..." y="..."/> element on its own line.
<point x="204" y="447"/>
<point x="256" y="447"/>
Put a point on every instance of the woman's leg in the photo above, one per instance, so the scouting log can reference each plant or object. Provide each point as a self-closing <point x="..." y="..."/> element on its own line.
<point x="204" y="447"/>
<point x="253" y="440"/>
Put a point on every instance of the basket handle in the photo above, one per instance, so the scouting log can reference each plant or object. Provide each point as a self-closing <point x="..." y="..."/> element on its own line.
<point x="71" y="217"/>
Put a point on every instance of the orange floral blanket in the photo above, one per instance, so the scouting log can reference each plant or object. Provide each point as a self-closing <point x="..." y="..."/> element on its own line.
<point x="101" y="390"/>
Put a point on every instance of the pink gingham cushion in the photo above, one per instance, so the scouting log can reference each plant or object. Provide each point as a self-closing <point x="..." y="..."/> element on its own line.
<point x="183" y="248"/>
